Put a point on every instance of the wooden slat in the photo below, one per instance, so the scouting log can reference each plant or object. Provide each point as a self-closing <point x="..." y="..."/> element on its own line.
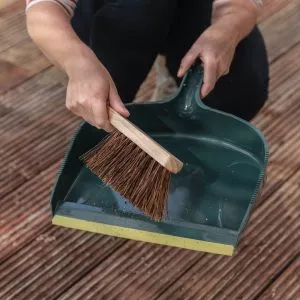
<point x="13" y="29"/>
<point x="54" y="256"/>
<point x="271" y="7"/>
<point x="19" y="57"/>
<point x="25" y="211"/>
<point x="35" y="130"/>
<point x="279" y="120"/>
<point x="286" y="286"/>
<point x="283" y="90"/>
<point x="19" y="63"/>
<point x="7" y="7"/>
<point x="281" y="30"/>
<point x="133" y="273"/>
<point x="10" y="75"/>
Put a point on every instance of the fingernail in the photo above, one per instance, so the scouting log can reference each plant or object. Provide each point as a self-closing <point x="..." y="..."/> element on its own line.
<point x="179" y="73"/>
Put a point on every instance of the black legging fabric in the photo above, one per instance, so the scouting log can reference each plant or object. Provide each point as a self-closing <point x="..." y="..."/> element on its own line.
<point x="127" y="35"/>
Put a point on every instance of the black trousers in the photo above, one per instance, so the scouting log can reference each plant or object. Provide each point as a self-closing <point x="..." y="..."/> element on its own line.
<point x="127" y="35"/>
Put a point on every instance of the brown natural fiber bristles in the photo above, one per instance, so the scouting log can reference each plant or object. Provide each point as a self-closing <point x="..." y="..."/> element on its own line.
<point x="131" y="172"/>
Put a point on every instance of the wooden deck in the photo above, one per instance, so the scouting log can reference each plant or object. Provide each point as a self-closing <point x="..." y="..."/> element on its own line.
<point x="41" y="261"/>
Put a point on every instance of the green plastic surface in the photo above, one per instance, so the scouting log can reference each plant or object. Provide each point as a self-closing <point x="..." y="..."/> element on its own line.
<point x="224" y="157"/>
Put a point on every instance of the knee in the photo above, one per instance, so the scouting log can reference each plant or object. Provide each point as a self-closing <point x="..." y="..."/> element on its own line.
<point x="241" y="93"/>
<point x="259" y="92"/>
<point x="254" y="54"/>
<point x="250" y="70"/>
<point x="258" y="85"/>
<point x="252" y="94"/>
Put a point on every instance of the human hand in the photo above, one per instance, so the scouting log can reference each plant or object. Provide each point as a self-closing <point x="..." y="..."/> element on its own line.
<point x="215" y="48"/>
<point x="90" y="91"/>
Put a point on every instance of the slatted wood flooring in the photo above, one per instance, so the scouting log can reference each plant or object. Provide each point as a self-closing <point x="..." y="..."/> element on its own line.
<point x="40" y="261"/>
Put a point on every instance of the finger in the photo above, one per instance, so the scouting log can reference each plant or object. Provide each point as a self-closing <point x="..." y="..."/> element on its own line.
<point x="74" y="107"/>
<point x="82" y="108"/>
<point x="187" y="61"/>
<point x="225" y="72"/>
<point x="90" y="120"/>
<point x="116" y="103"/>
<point x="69" y="101"/>
<point x="100" y="115"/>
<point x="223" y="68"/>
<point x="85" y="113"/>
<point x="69" y="105"/>
<point x="210" y="75"/>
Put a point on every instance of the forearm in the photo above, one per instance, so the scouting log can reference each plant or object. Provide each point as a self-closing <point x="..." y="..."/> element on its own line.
<point x="239" y="15"/>
<point x="49" y="27"/>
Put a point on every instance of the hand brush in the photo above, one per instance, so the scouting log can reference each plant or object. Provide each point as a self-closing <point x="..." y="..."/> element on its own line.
<point x="134" y="165"/>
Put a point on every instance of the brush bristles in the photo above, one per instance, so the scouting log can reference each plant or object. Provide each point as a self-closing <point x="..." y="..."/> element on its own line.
<point x="131" y="172"/>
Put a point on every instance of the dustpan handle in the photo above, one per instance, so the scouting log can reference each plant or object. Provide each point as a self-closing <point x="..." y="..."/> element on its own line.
<point x="189" y="99"/>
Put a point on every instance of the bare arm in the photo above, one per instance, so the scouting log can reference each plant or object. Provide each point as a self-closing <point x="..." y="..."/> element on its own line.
<point x="90" y="86"/>
<point x="49" y="27"/>
<point x="240" y="14"/>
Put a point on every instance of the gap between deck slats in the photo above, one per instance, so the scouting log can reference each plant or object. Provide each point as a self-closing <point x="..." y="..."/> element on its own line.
<point x="285" y="286"/>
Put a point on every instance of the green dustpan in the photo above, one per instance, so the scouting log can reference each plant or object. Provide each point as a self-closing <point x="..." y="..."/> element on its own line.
<point x="210" y="200"/>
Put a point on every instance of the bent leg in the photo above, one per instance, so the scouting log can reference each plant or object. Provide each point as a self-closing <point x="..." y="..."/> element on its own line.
<point x="244" y="90"/>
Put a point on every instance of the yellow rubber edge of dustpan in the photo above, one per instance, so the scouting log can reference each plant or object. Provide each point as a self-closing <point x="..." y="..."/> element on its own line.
<point x="144" y="236"/>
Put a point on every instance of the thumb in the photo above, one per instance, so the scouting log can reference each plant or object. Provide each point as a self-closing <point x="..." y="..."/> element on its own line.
<point x="116" y="102"/>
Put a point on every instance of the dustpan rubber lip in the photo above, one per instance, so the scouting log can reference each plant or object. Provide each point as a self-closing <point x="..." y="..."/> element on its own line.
<point x="92" y="213"/>
<point x="66" y="217"/>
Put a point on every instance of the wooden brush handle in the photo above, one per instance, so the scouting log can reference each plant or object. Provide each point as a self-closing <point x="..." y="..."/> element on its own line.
<point x="147" y="144"/>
